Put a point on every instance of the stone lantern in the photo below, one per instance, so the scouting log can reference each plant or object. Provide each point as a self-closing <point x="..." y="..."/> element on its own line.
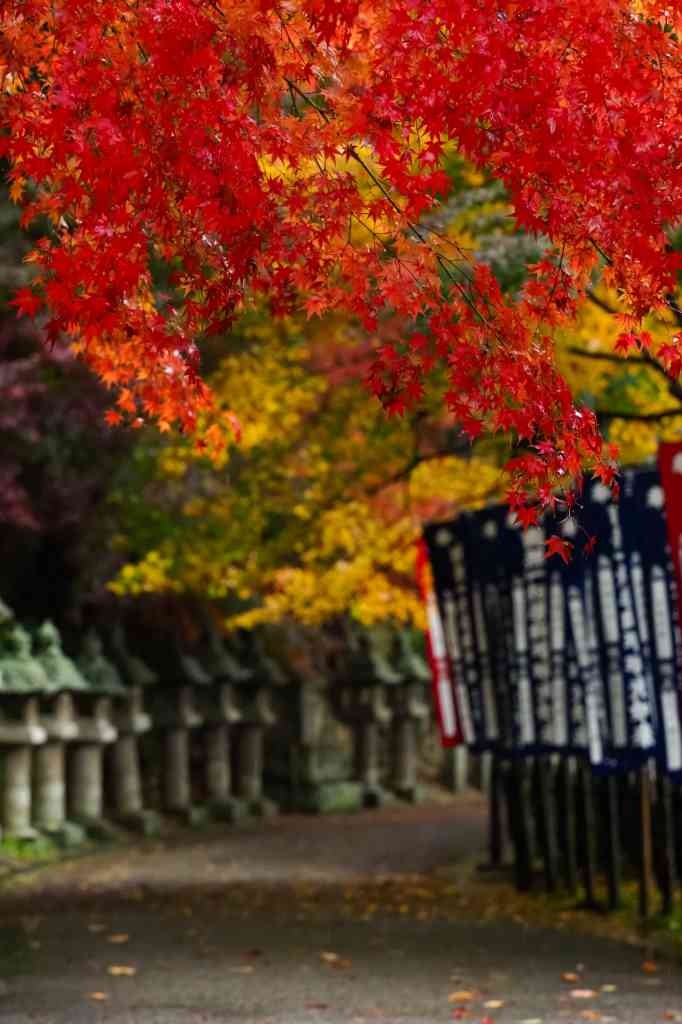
<point x="257" y="716"/>
<point x="131" y="722"/>
<point x="364" y="702"/>
<point x="85" y="783"/>
<point x="312" y="750"/>
<point x="58" y="716"/>
<point x="175" y="711"/>
<point x="221" y="711"/>
<point x="21" y="679"/>
<point x="410" y="714"/>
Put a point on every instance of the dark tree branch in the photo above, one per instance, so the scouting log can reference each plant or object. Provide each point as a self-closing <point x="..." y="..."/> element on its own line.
<point x="608" y="357"/>
<point x="638" y="417"/>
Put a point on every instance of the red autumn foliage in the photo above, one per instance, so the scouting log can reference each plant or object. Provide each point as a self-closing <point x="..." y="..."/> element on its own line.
<point x="241" y="144"/>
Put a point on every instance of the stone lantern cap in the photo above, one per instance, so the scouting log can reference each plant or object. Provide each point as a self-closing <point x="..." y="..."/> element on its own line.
<point x="100" y="673"/>
<point x="61" y="672"/>
<point x="384" y="655"/>
<point x="413" y="656"/>
<point x="221" y="662"/>
<point x="104" y="678"/>
<point x="97" y="726"/>
<point x="265" y="660"/>
<point x="24" y="727"/>
<point x="20" y="671"/>
<point x="21" y="678"/>
<point x="371" y="658"/>
<point x="220" y="706"/>
<point x="132" y="669"/>
<point x="58" y="715"/>
<point x="257" y="707"/>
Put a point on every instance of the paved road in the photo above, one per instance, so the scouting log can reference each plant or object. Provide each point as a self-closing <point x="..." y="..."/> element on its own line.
<point x="318" y="921"/>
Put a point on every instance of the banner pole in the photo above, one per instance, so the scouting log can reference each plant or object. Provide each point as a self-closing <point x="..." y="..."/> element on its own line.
<point x="646" y="848"/>
<point x="613" y="849"/>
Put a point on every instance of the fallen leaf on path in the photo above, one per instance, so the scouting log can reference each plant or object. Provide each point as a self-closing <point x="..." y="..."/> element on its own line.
<point x="462" y="995"/>
<point x="118" y="939"/>
<point x="96" y="927"/>
<point x="244" y="969"/>
<point x="494" y="1004"/>
<point x="590" y="1015"/>
<point x="583" y="993"/>
<point x="532" y="1020"/>
<point x="334" y="960"/>
<point x="460" y="1012"/>
<point x="317" y="1006"/>
<point x="253" y="952"/>
<point x="122" y="970"/>
<point x="649" y="967"/>
<point x="609" y="988"/>
<point x="98" y="997"/>
<point x="570" y="976"/>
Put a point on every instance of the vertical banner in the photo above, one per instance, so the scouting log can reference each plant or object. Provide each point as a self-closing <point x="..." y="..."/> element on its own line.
<point x="668" y="591"/>
<point x="670" y="467"/>
<point x="585" y="699"/>
<point x="531" y="655"/>
<point x="653" y="580"/>
<point x="623" y="628"/>
<point x="440" y="664"/>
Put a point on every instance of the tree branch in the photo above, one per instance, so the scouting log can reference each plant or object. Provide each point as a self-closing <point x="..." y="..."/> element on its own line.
<point x="608" y="357"/>
<point x="638" y="417"/>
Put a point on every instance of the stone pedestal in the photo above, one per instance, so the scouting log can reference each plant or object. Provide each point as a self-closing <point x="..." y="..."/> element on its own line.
<point x="20" y="730"/>
<point x="370" y="713"/>
<point x="257" y="715"/>
<point x="86" y="783"/>
<point x="456" y="769"/>
<point x="131" y="722"/>
<point x="410" y="710"/>
<point x="85" y="776"/>
<point x="180" y="717"/>
<point x="321" y="757"/>
<point x="58" y="716"/>
<point x="221" y="713"/>
<point x="16" y="809"/>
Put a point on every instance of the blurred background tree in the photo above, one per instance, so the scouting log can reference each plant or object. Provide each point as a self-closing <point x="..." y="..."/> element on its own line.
<point x="57" y="458"/>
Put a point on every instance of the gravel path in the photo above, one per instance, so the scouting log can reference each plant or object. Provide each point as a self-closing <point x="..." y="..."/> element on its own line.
<point x="311" y="920"/>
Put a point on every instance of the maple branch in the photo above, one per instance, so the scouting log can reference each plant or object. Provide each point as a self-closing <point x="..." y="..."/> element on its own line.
<point x="416" y="459"/>
<point x="639" y="417"/>
<point x="601" y="303"/>
<point x="440" y="259"/>
<point x="608" y="357"/>
<point x="650" y="360"/>
<point x="299" y="92"/>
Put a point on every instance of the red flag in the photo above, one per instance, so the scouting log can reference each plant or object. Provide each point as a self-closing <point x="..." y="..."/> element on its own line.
<point x="441" y="668"/>
<point x="670" y="468"/>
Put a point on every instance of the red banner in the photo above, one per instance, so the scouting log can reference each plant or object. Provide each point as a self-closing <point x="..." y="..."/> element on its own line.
<point x="441" y="668"/>
<point x="670" y="468"/>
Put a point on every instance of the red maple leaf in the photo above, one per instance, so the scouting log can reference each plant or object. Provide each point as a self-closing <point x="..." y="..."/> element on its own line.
<point x="558" y="546"/>
<point x="526" y="515"/>
<point x="589" y="545"/>
<point x="27" y="303"/>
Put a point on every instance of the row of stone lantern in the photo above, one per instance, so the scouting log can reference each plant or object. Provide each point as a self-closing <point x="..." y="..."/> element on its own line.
<point x="70" y="730"/>
<point x="57" y="717"/>
<point x="63" y="721"/>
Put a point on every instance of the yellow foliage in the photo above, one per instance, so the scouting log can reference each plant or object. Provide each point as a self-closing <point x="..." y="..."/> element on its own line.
<point x="614" y="384"/>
